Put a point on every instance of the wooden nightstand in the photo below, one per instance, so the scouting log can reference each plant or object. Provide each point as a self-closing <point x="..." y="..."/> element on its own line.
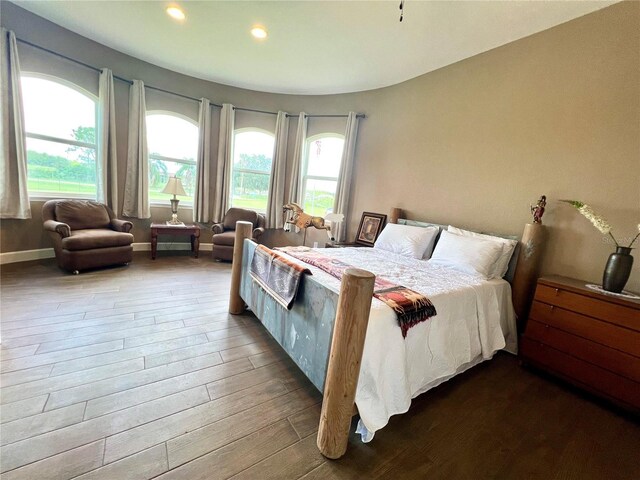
<point x="589" y="339"/>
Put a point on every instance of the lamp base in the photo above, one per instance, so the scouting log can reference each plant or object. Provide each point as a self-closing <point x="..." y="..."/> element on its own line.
<point x="174" y="220"/>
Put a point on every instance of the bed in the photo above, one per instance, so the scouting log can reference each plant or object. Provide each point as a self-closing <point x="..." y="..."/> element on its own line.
<point x="350" y="347"/>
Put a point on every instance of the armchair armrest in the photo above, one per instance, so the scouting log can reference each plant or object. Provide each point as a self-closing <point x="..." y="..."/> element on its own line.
<point x="121" y="225"/>
<point x="217" y="228"/>
<point x="257" y="233"/>
<point x="57" y="227"/>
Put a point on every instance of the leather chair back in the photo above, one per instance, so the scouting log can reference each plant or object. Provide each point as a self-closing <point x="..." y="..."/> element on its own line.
<point x="78" y="214"/>
<point x="234" y="215"/>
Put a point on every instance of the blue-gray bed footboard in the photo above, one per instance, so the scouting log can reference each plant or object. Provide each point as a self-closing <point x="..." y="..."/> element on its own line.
<point x="305" y="331"/>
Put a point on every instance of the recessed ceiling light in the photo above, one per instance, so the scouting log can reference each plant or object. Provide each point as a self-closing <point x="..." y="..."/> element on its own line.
<point x="176" y="12"/>
<point x="259" y="32"/>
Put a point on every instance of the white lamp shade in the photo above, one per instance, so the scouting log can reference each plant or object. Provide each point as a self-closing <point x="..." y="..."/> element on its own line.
<point x="174" y="187"/>
<point x="334" y="217"/>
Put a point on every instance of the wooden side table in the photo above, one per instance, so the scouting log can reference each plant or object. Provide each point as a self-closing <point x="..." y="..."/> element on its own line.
<point x="163" y="229"/>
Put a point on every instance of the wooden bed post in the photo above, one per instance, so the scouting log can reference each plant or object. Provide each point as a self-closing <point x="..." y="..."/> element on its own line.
<point x="527" y="270"/>
<point x="243" y="230"/>
<point x="347" y="344"/>
<point x="395" y="214"/>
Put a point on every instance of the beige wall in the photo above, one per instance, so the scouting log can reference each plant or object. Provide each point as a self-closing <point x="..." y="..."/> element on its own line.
<point x="557" y="113"/>
<point x="472" y="144"/>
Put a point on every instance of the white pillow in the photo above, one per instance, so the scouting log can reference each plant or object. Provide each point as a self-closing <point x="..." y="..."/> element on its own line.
<point x="508" y="246"/>
<point x="406" y="240"/>
<point x="466" y="254"/>
<point x="432" y="243"/>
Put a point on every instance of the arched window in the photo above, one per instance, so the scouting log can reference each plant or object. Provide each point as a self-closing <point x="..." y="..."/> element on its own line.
<point x="173" y="147"/>
<point x="60" y="124"/>
<point x="252" y="158"/>
<point x="323" y="154"/>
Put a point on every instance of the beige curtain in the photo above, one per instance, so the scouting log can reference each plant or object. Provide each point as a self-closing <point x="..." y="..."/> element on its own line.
<point x="14" y="197"/>
<point x="341" y="202"/>
<point x="295" y="187"/>
<point x="136" y="187"/>
<point x="225" y="162"/>
<point x="203" y="200"/>
<point x="107" y="152"/>
<point x="275" y="200"/>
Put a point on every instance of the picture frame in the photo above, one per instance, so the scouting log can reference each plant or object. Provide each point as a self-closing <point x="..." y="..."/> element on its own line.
<point x="371" y="224"/>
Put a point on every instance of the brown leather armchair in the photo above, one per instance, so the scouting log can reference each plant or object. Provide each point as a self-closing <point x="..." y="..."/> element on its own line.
<point x="86" y="234"/>
<point x="224" y="234"/>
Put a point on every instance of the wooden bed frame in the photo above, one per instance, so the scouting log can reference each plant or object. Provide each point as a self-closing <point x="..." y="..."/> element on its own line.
<point x="350" y="326"/>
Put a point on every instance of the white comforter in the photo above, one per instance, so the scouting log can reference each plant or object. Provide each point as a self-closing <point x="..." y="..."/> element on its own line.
<point x="475" y="318"/>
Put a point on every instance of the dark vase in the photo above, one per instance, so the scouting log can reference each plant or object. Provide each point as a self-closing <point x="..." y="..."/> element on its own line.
<point x="617" y="270"/>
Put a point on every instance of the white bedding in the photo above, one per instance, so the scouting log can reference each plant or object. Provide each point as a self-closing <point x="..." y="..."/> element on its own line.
<point x="475" y="318"/>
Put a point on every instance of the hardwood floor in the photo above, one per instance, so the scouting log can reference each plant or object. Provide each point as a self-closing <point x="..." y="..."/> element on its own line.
<point x="138" y="372"/>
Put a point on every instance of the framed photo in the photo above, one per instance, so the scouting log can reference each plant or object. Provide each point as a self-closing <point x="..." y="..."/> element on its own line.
<point x="371" y="224"/>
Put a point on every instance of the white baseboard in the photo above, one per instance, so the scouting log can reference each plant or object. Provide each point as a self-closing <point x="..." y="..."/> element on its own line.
<point x="42" y="253"/>
<point x="26" y="255"/>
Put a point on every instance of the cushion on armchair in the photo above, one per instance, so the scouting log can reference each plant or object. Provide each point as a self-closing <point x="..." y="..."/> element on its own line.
<point x="82" y="214"/>
<point x="95" y="238"/>
<point x="227" y="238"/>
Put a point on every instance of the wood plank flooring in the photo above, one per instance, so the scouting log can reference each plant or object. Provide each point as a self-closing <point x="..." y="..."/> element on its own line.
<point x="138" y="372"/>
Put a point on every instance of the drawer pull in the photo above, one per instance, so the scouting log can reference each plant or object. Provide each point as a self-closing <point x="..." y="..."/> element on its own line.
<point x="557" y="291"/>
<point x="551" y="308"/>
<point x="546" y="326"/>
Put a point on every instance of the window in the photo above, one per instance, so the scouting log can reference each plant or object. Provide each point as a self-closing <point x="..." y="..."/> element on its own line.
<point x="173" y="148"/>
<point x="252" y="158"/>
<point x="320" y="173"/>
<point x="60" y="123"/>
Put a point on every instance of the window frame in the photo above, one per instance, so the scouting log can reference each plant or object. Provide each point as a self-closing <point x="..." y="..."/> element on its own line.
<point x="305" y="164"/>
<point x="184" y="203"/>
<point x="49" y="138"/>
<point x="248" y="170"/>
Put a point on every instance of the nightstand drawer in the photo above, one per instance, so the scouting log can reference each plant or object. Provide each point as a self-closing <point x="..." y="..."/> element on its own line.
<point x="584" y="374"/>
<point x="601" y="332"/>
<point x="609" y="312"/>
<point x="605" y="357"/>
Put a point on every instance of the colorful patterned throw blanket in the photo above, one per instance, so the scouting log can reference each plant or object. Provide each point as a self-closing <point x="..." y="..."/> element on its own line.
<point x="411" y="307"/>
<point x="277" y="275"/>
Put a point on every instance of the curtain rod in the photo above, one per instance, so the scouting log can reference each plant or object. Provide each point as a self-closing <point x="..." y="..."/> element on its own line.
<point x="180" y="95"/>
<point x="96" y="69"/>
<point x="359" y="115"/>
<point x="253" y="110"/>
<point x="151" y="87"/>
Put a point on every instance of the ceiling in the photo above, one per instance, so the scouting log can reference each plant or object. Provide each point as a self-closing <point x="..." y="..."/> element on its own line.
<point x="314" y="47"/>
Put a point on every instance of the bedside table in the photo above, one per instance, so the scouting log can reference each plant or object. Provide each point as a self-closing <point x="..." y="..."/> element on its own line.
<point x="585" y="337"/>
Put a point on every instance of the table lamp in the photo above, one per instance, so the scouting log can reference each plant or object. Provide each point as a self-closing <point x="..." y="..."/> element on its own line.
<point x="333" y="218"/>
<point x="174" y="187"/>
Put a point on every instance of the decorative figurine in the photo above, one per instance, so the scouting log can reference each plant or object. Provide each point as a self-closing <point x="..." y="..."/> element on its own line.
<point x="295" y="216"/>
<point x="538" y="209"/>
